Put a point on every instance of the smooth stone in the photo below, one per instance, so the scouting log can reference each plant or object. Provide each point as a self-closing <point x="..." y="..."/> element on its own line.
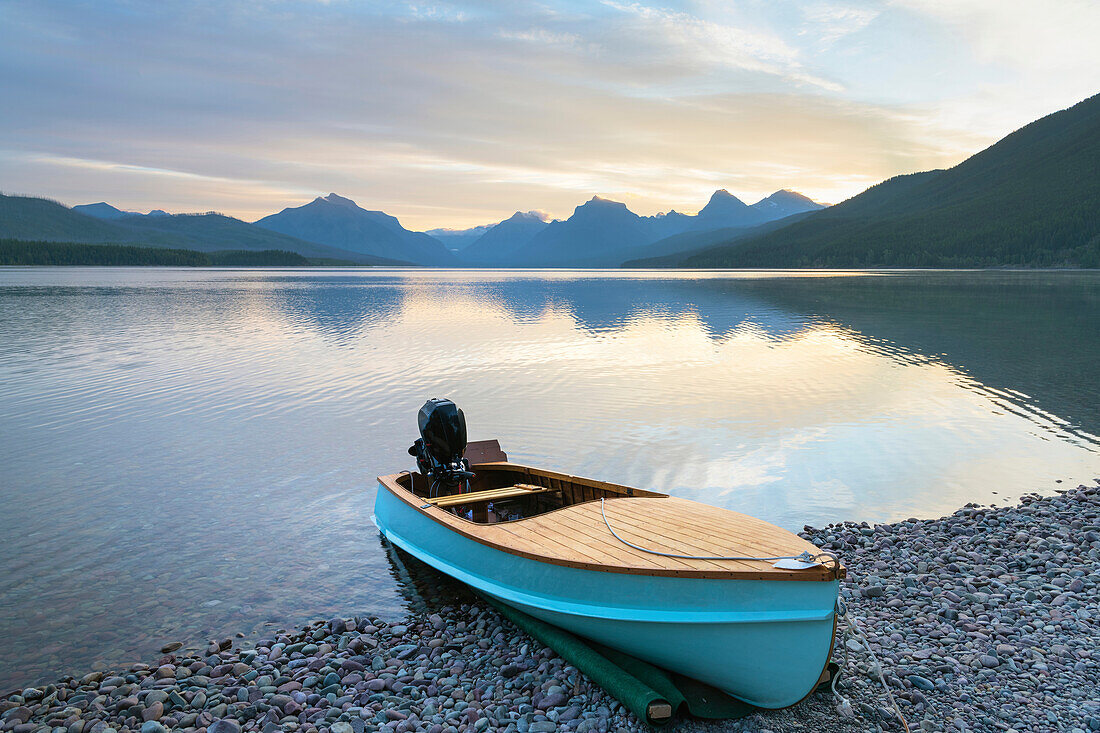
<point x="152" y="726"/>
<point x="21" y="713"/>
<point x="552" y="701"/>
<point x="153" y="712"/>
<point x="155" y="696"/>
<point x="224" y="725"/>
<point x="921" y="683"/>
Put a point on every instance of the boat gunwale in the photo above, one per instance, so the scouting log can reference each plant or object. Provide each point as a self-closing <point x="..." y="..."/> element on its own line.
<point x="456" y="524"/>
<point x="633" y="614"/>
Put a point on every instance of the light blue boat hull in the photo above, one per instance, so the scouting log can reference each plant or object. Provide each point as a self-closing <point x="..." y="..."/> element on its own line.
<point x="764" y="642"/>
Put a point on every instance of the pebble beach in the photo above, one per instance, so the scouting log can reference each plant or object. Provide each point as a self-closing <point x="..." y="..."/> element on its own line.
<point x="984" y="620"/>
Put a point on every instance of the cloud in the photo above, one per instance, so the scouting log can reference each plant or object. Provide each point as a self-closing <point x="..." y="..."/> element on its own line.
<point x="828" y="23"/>
<point x="703" y="43"/>
<point x="460" y="114"/>
<point x="1034" y="38"/>
<point x="1027" y="59"/>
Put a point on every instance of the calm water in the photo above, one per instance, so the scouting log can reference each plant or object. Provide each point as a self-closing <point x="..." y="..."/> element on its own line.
<point x="189" y="453"/>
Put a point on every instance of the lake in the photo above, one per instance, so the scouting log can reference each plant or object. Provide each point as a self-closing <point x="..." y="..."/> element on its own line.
<point x="189" y="453"/>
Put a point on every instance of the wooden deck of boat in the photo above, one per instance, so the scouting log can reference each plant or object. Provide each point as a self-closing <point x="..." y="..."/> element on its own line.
<point x="577" y="536"/>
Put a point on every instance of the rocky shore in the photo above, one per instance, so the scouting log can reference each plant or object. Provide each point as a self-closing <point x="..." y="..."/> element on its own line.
<point x="986" y="620"/>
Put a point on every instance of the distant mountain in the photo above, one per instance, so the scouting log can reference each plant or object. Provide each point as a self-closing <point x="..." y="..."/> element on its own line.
<point x="211" y="232"/>
<point x="1031" y="199"/>
<point x="604" y="233"/>
<point x="596" y="228"/>
<point x="500" y="242"/>
<point x="36" y="219"/>
<point x="102" y="210"/>
<point x="459" y="239"/>
<point x="667" y="225"/>
<point x="668" y="252"/>
<point x="784" y="203"/>
<point x="339" y="222"/>
<point x="725" y="210"/>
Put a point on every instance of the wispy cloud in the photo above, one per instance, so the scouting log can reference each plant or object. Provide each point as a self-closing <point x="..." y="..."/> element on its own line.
<point x="828" y="23"/>
<point x="455" y="114"/>
<point x="704" y="43"/>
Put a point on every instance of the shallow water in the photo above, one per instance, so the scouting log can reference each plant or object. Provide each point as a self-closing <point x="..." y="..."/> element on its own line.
<point x="191" y="453"/>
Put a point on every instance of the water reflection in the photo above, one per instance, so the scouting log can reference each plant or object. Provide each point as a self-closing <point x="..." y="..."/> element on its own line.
<point x="423" y="588"/>
<point x="337" y="308"/>
<point x="1031" y="339"/>
<point x="190" y="453"/>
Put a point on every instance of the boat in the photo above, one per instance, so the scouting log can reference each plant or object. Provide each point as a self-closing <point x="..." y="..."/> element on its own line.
<point x="649" y="574"/>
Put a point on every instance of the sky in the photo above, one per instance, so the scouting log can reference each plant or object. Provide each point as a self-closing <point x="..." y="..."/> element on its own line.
<point x="458" y="114"/>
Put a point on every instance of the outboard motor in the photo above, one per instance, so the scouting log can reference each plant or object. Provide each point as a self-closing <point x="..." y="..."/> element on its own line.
<point x="440" y="447"/>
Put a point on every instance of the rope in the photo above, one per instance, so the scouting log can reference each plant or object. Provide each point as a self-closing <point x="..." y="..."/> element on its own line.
<point x="850" y="625"/>
<point x="804" y="557"/>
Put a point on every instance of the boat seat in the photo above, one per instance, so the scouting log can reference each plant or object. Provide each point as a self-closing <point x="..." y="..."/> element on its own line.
<point x="508" y="492"/>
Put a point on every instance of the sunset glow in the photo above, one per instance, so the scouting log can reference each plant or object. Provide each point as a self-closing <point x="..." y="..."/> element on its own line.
<point x="453" y="115"/>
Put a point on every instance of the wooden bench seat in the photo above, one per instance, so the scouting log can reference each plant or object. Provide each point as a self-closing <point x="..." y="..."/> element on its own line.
<point x="508" y="492"/>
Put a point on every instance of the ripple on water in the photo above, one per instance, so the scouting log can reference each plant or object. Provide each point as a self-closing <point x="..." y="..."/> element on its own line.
<point x="191" y="453"/>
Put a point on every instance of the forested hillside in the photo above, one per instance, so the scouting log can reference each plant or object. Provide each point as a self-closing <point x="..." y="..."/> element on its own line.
<point x="1032" y="199"/>
<point x="20" y="252"/>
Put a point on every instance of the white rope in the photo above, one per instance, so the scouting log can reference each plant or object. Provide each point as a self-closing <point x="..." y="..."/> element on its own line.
<point x="804" y="557"/>
<point x="850" y="625"/>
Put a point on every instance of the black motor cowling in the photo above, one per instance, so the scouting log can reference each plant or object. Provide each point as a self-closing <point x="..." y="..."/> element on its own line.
<point x="441" y="445"/>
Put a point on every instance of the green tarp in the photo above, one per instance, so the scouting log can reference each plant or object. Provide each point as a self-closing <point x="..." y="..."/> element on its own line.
<point x="652" y="694"/>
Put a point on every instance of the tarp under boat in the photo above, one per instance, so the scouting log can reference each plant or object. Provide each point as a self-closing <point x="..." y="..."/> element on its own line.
<point x="651" y="693"/>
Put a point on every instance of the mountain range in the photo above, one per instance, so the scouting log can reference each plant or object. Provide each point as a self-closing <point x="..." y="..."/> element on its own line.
<point x="599" y="233"/>
<point x="457" y="240"/>
<point x="604" y="233"/>
<point x="36" y="219"/>
<point x="1031" y="199"/>
<point x="339" y="222"/>
<point x="104" y="210"/>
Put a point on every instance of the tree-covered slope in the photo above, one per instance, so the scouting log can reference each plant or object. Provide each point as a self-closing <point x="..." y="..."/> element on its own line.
<point x="36" y="219"/>
<point x="30" y="218"/>
<point x="210" y="232"/>
<point x="1032" y="199"/>
<point x="19" y="252"/>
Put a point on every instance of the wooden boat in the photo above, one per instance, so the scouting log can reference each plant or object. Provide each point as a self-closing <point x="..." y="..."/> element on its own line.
<point x="578" y="560"/>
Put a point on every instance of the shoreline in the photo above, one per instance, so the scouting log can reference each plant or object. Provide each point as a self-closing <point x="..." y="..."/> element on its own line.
<point x="986" y="619"/>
